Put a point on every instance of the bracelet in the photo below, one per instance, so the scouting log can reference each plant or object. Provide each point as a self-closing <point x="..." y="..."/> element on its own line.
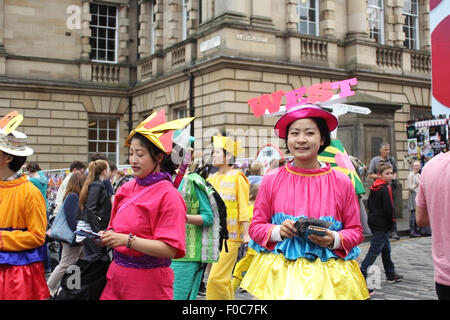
<point x="130" y="240"/>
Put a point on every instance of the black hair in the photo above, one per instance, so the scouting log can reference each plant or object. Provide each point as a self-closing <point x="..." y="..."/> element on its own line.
<point x="222" y="132"/>
<point x="99" y="156"/>
<point x="77" y="165"/>
<point x="32" y="166"/>
<point x="166" y="164"/>
<point x="16" y="162"/>
<point x="112" y="166"/>
<point x="324" y="133"/>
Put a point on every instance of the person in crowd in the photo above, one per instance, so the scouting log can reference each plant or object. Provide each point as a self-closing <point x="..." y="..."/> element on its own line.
<point x="70" y="252"/>
<point x="243" y="264"/>
<point x="202" y="236"/>
<point x="380" y="220"/>
<point x="107" y="181"/>
<point x="433" y="209"/>
<point x="385" y="151"/>
<point x="147" y="227"/>
<point x="75" y="166"/>
<point x="95" y="205"/>
<point x="233" y="187"/>
<point x="413" y="184"/>
<point x="23" y="221"/>
<point x="256" y="173"/>
<point x="290" y="266"/>
<point x="38" y="178"/>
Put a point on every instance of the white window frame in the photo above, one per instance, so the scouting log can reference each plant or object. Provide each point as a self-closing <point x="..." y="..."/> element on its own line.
<point x="116" y="33"/>
<point x="306" y="3"/>
<point x="407" y="12"/>
<point x="379" y="10"/>
<point x="107" y="141"/>
<point x="184" y="19"/>
<point x="152" y="25"/>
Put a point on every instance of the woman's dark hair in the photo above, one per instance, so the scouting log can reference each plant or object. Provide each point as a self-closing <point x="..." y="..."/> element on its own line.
<point x="166" y="164"/>
<point x="32" y="166"/>
<point x="16" y="163"/>
<point x="324" y="133"/>
<point x="224" y="133"/>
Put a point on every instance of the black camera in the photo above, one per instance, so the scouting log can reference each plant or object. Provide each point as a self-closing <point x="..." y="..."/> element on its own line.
<point x="306" y="226"/>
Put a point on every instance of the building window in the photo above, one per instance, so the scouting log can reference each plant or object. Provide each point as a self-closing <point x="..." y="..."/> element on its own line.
<point x="152" y="26"/>
<point x="410" y="28"/>
<point x="181" y="113"/>
<point x="104" y="137"/>
<point x="184" y="18"/>
<point x="308" y="11"/>
<point x="103" y="33"/>
<point x="376" y="20"/>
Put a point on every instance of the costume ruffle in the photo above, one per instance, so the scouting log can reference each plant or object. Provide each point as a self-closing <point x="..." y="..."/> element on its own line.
<point x="272" y="277"/>
<point x="302" y="247"/>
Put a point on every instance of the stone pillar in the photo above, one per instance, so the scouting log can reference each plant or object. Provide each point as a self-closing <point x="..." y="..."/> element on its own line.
<point x="173" y="17"/>
<point x="192" y="23"/>
<point x="232" y="11"/>
<point x="85" y="30"/>
<point x="424" y="21"/>
<point x="260" y="13"/>
<point x="144" y="29"/>
<point x="292" y="18"/>
<point x="327" y="18"/>
<point x="397" y="20"/>
<point x="124" y="36"/>
<point x="159" y="22"/>
<point x="357" y="20"/>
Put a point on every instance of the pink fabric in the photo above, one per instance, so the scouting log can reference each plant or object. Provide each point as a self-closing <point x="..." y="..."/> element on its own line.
<point x="307" y="192"/>
<point x="160" y="214"/>
<point x="434" y="195"/>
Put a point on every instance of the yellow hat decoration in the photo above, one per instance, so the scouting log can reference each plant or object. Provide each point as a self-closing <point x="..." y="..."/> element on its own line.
<point x="158" y="131"/>
<point x="228" y="145"/>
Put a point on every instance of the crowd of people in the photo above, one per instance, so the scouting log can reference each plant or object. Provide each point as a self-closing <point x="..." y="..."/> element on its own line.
<point x="166" y="241"/>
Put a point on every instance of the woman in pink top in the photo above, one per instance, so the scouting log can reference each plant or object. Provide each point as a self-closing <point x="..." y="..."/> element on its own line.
<point x="148" y="219"/>
<point x="287" y="265"/>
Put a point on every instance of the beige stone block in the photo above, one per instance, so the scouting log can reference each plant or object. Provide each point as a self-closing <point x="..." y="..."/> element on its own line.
<point x="275" y="77"/>
<point x="399" y="98"/>
<point x="50" y="140"/>
<point x="74" y="106"/>
<point x="75" y="123"/>
<point x="230" y="84"/>
<point x="50" y="123"/>
<point x="36" y="113"/>
<point x="410" y="95"/>
<point x="87" y="103"/>
<point x="50" y="105"/>
<point x="84" y="150"/>
<point x="70" y="157"/>
<point x="248" y="75"/>
<point x="64" y="115"/>
<point x="64" y="149"/>
<point x="221" y="96"/>
<point x="5" y="103"/>
<point x="75" y="141"/>
<point x="32" y="122"/>
<point x="50" y="157"/>
<point x="235" y="107"/>
<point x="389" y="87"/>
<point x="26" y="104"/>
<point x="244" y="96"/>
<point x="36" y="131"/>
<point x="37" y="95"/>
<point x="64" y="97"/>
<point x="221" y="74"/>
<point x="263" y="87"/>
<point x="73" y="132"/>
<point x="419" y="96"/>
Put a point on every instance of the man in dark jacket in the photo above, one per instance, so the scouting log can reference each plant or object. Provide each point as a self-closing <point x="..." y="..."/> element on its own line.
<point x="380" y="220"/>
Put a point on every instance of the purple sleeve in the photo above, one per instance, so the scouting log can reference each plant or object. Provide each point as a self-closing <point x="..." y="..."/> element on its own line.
<point x="261" y="227"/>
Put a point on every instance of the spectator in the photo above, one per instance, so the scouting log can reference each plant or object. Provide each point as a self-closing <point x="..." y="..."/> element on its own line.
<point x="413" y="185"/>
<point x="385" y="157"/>
<point x="23" y="222"/>
<point x="38" y="178"/>
<point x="433" y="209"/>
<point x="381" y="216"/>
<point x="256" y="173"/>
<point x="75" y="167"/>
<point x="70" y="252"/>
<point x="107" y="181"/>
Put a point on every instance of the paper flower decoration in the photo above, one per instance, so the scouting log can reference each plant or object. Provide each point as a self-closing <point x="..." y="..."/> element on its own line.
<point x="228" y="144"/>
<point x="158" y="131"/>
<point x="338" y="158"/>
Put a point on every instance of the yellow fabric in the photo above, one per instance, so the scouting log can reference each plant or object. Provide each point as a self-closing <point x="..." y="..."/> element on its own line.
<point x="21" y="207"/>
<point x="228" y="144"/>
<point x="242" y="267"/>
<point x="233" y="188"/>
<point x="219" y="279"/>
<point x="272" y="277"/>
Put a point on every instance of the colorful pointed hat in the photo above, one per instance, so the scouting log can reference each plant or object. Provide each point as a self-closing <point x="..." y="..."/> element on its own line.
<point x="12" y="141"/>
<point x="336" y="155"/>
<point x="228" y="145"/>
<point x="158" y="131"/>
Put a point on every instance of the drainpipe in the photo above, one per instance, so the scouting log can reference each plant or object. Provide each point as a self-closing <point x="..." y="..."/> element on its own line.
<point x="191" y="98"/>
<point x="130" y="114"/>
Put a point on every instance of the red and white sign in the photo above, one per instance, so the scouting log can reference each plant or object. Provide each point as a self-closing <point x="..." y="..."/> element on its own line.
<point x="440" y="51"/>
<point x="317" y="93"/>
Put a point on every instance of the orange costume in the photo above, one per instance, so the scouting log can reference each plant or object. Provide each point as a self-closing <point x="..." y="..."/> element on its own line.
<point x="23" y="223"/>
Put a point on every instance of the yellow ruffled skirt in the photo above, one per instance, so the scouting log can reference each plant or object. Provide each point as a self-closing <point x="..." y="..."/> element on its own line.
<point x="272" y="277"/>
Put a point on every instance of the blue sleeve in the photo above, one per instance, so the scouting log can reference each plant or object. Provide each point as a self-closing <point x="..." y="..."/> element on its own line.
<point x="71" y="205"/>
<point x="108" y="187"/>
<point x="204" y="207"/>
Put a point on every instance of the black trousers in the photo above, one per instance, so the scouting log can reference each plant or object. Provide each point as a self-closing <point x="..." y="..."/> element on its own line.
<point x="442" y="291"/>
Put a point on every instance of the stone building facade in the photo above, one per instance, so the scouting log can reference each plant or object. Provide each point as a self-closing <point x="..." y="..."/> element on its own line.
<point x="83" y="73"/>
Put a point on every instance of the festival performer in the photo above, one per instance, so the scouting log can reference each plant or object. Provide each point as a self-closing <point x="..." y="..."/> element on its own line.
<point x="147" y="226"/>
<point x="202" y="236"/>
<point x="289" y="266"/>
<point x="233" y="187"/>
<point x="23" y="220"/>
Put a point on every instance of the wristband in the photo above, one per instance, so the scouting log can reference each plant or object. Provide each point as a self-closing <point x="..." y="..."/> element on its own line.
<point x="130" y="240"/>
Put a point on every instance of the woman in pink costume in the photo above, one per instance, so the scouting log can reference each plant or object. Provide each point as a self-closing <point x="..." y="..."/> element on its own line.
<point x="288" y="266"/>
<point x="147" y="227"/>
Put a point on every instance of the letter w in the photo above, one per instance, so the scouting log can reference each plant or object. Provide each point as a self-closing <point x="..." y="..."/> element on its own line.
<point x="265" y="102"/>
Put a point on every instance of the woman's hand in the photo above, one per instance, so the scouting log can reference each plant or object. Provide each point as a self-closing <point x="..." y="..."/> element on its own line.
<point x="113" y="239"/>
<point x="323" y="241"/>
<point x="287" y="229"/>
